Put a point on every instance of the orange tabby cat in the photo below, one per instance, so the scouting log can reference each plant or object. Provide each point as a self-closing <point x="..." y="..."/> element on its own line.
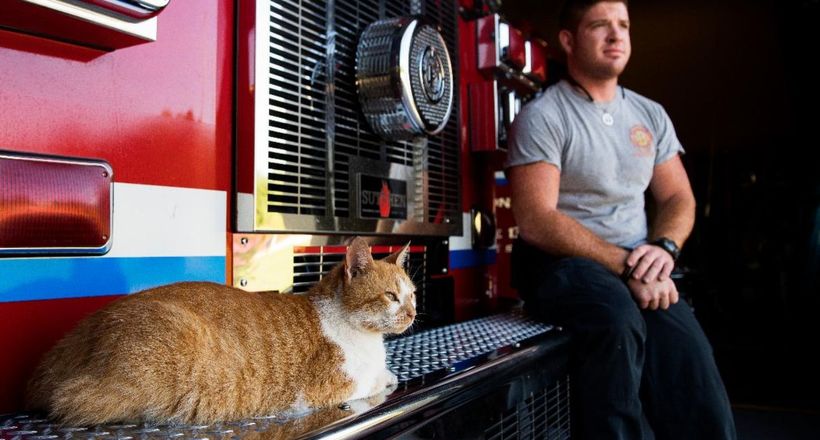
<point x="202" y="352"/>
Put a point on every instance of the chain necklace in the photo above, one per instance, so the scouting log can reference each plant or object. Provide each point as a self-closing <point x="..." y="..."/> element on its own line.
<point x="606" y="118"/>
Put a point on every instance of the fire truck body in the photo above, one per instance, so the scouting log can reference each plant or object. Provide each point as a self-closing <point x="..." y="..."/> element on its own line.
<point x="234" y="149"/>
<point x="160" y="114"/>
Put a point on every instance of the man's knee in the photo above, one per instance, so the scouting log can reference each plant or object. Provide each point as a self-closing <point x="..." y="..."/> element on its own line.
<point x="678" y="328"/>
<point x="619" y="319"/>
<point x="603" y="301"/>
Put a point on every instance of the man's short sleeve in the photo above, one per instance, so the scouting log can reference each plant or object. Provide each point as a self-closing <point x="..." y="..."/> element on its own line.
<point x="668" y="144"/>
<point x="535" y="137"/>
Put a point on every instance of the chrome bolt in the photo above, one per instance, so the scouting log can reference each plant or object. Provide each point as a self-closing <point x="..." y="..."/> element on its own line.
<point x="243" y="282"/>
<point x="243" y="240"/>
<point x="344" y="406"/>
<point x="443" y="270"/>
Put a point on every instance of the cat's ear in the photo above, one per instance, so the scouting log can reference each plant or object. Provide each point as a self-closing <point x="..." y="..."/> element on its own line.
<point x="399" y="257"/>
<point x="358" y="258"/>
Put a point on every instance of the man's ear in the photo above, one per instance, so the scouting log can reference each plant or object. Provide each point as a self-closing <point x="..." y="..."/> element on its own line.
<point x="567" y="41"/>
<point x="358" y="258"/>
<point x="399" y="257"/>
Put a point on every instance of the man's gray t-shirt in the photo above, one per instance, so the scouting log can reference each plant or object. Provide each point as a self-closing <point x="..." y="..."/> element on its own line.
<point x="604" y="169"/>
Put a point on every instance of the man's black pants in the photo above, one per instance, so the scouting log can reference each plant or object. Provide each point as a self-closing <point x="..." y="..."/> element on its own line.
<point x="636" y="374"/>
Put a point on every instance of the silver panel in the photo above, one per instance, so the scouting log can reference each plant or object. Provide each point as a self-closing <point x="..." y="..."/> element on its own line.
<point x="310" y="138"/>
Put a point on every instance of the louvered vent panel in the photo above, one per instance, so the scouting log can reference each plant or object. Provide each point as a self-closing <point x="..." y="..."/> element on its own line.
<point x="298" y="115"/>
<point x="297" y="160"/>
<point x="354" y="137"/>
<point x="308" y="269"/>
<point x="443" y="149"/>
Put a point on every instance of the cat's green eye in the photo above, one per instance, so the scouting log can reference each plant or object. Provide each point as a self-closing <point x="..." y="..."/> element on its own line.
<point x="392" y="296"/>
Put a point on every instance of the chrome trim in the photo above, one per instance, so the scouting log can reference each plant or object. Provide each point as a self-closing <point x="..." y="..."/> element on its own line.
<point x="140" y="9"/>
<point x="496" y="102"/>
<point x="255" y="254"/>
<point x="502" y="32"/>
<point x="408" y="102"/>
<point x="145" y="29"/>
<point x="330" y="99"/>
<point x="518" y="77"/>
<point x="528" y="57"/>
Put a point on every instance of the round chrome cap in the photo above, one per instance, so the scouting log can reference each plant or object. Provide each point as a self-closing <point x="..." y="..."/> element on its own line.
<point x="404" y="78"/>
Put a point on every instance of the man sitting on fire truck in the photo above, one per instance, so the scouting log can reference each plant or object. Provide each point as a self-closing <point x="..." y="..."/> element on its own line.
<point x="580" y="158"/>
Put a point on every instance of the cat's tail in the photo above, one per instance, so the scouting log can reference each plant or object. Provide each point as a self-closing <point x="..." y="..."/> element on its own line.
<point x="36" y="396"/>
<point x="85" y="400"/>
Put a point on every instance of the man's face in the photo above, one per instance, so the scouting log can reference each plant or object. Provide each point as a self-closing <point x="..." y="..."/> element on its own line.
<point x="600" y="47"/>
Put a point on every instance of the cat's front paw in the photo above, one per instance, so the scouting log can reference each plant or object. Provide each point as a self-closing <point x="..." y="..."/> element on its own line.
<point x="390" y="378"/>
<point x="386" y="380"/>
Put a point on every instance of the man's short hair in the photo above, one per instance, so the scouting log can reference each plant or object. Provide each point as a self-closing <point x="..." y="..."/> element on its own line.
<point x="571" y="12"/>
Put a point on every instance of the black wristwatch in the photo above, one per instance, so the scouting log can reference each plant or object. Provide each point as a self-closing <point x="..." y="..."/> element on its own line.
<point x="669" y="246"/>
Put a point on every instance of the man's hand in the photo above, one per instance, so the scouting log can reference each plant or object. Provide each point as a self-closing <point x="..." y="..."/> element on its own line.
<point x="654" y="294"/>
<point x="651" y="263"/>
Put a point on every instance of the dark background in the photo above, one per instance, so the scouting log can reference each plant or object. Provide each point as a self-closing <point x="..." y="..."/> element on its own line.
<point x="735" y="78"/>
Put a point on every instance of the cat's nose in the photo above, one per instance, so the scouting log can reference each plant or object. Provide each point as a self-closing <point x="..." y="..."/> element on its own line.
<point x="411" y="314"/>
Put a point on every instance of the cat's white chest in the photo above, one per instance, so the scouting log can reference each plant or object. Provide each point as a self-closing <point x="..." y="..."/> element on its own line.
<point x="364" y="362"/>
<point x="364" y="354"/>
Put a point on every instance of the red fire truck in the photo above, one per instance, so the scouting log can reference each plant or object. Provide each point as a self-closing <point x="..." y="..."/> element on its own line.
<point x="144" y="142"/>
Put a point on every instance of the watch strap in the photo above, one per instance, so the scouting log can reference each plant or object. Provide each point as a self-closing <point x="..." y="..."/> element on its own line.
<point x="669" y="246"/>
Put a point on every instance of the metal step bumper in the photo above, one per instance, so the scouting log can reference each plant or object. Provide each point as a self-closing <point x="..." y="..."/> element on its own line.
<point x="500" y="377"/>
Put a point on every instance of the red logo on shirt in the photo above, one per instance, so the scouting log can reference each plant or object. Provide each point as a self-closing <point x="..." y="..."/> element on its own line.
<point x="641" y="138"/>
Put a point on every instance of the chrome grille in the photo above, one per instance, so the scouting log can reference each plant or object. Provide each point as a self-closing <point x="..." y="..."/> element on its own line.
<point x="413" y="356"/>
<point x="297" y="159"/>
<point x="353" y="135"/>
<point x="308" y="269"/>
<point x="543" y="415"/>
<point x="443" y="149"/>
<point x="308" y="102"/>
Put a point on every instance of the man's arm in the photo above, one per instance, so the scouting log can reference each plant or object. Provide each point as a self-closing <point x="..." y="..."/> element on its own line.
<point x="534" y="190"/>
<point x="675" y="217"/>
<point x="675" y="202"/>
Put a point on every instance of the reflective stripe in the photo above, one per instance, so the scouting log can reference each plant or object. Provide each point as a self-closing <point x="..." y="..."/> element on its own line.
<point x="25" y="279"/>
<point x="471" y="258"/>
<point x="161" y="234"/>
<point x="153" y="221"/>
